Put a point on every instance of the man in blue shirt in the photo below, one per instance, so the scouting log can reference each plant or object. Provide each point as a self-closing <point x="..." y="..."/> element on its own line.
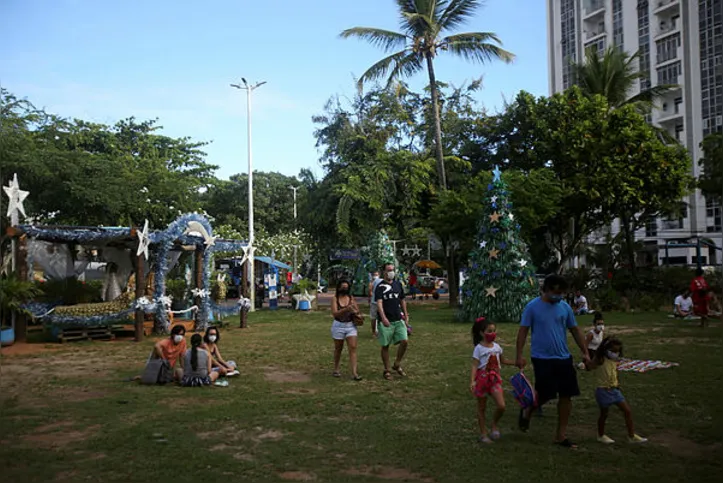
<point x="549" y="318"/>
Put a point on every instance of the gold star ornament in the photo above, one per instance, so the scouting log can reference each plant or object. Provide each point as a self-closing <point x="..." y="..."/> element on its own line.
<point x="495" y="217"/>
<point x="491" y="291"/>
<point x="494" y="252"/>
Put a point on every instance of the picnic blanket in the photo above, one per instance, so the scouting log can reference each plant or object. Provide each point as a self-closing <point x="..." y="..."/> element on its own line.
<point x="632" y="365"/>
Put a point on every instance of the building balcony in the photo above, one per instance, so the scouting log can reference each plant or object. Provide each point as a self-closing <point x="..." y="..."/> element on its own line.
<point x="662" y="61"/>
<point x="666" y="28"/>
<point x="670" y="113"/>
<point x="666" y="7"/>
<point x="591" y="35"/>
<point x="592" y="9"/>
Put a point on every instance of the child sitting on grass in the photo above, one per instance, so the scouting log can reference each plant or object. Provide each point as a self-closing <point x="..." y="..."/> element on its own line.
<point x="485" y="378"/>
<point x="608" y="391"/>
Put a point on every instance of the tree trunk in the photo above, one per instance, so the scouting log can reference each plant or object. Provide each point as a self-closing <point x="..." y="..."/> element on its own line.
<point x="450" y="265"/>
<point x="629" y="245"/>
<point x="437" y="123"/>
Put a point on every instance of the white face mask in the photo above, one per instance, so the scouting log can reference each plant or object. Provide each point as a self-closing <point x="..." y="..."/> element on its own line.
<point x="613" y="355"/>
<point x="391" y="274"/>
<point x="212" y="338"/>
<point x="177" y="338"/>
<point x="599" y="328"/>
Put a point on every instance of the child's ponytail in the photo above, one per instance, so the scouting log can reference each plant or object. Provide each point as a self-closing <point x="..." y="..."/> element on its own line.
<point x="195" y="343"/>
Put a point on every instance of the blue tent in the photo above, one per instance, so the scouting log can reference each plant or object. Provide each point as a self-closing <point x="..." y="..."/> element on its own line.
<point x="275" y="263"/>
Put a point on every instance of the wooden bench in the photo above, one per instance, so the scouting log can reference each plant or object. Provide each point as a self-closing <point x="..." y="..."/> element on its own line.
<point x="85" y="333"/>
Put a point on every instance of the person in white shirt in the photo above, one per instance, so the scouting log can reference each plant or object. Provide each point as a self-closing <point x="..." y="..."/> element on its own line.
<point x="683" y="305"/>
<point x="580" y="304"/>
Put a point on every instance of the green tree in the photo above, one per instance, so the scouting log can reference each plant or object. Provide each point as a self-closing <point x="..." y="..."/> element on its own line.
<point x="711" y="180"/>
<point x="614" y="76"/>
<point x="423" y="23"/>
<point x="500" y="278"/>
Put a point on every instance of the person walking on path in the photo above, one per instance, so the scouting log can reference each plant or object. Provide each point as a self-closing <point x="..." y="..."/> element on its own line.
<point x="549" y="317"/>
<point x="343" y="309"/>
<point x="393" y="320"/>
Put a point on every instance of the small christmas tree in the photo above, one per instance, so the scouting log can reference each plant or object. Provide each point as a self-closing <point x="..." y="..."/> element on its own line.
<point x="500" y="278"/>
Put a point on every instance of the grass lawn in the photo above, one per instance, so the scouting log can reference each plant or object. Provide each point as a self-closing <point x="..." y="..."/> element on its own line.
<point x="67" y="415"/>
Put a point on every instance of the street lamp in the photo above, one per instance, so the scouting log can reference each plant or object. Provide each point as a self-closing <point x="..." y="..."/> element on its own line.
<point x="249" y="89"/>
<point x="294" y="189"/>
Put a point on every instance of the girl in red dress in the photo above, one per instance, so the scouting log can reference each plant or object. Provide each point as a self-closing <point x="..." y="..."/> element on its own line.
<point x="701" y="295"/>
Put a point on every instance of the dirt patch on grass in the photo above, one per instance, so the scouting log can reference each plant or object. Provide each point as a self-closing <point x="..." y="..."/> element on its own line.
<point x="24" y="349"/>
<point x="60" y="439"/>
<point x="623" y="330"/>
<point x="274" y="374"/>
<point x="243" y="457"/>
<point x="387" y="473"/>
<point x="692" y="341"/>
<point x="682" y="446"/>
<point x="297" y="476"/>
<point x="300" y="392"/>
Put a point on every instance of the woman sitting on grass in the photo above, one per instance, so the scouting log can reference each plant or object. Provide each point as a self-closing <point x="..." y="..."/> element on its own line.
<point x="608" y="389"/>
<point x="218" y="364"/>
<point x="197" y="365"/>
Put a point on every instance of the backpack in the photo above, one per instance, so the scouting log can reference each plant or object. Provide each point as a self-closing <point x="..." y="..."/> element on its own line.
<point x="523" y="391"/>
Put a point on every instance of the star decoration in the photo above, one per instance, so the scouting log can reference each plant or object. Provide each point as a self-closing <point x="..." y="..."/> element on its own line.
<point x="495" y="217"/>
<point x="497" y="173"/>
<point x="417" y="251"/>
<point x="523" y="263"/>
<point x="405" y="251"/>
<point x="17" y="196"/>
<point x="483" y="244"/>
<point x="494" y="252"/>
<point x="494" y="199"/>
<point x="512" y="217"/>
<point x="491" y="291"/>
<point x="202" y="293"/>
<point x="143" y="241"/>
<point x="210" y="241"/>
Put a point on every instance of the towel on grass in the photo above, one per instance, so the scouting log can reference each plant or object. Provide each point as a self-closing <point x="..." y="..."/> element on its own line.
<point x="632" y="365"/>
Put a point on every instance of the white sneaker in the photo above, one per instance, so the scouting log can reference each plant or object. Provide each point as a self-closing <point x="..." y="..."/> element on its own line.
<point x="605" y="439"/>
<point x="636" y="439"/>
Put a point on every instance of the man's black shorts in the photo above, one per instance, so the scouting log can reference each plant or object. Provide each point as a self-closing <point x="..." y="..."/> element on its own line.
<point x="555" y="377"/>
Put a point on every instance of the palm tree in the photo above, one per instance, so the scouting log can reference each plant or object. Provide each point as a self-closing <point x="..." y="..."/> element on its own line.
<point x="614" y="76"/>
<point x="422" y="25"/>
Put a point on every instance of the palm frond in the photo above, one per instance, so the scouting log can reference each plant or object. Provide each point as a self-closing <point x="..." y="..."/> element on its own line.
<point x="648" y="97"/>
<point x="400" y="64"/>
<point x="457" y="13"/>
<point x="406" y="67"/>
<point x="385" y="39"/>
<point x="476" y="47"/>
<point x="343" y="214"/>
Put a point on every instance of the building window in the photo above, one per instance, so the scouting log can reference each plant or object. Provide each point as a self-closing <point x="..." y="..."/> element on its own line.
<point x="644" y="42"/>
<point x="669" y="74"/>
<point x="651" y="228"/>
<point x="569" y="53"/>
<point x="678" y="104"/>
<point x="667" y="49"/>
<point x="710" y="15"/>
<point x="618" y="23"/>
<point x="598" y="45"/>
<point x="679" y="128"/>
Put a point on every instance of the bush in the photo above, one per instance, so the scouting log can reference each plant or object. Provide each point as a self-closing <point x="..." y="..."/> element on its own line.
<point x="607" y="299"/>
<point x="70" y="291"/>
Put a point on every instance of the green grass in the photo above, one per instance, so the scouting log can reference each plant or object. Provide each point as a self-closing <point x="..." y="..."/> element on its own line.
<point x="67" y="416"/>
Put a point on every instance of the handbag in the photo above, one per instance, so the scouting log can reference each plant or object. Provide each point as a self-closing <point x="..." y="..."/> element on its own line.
<point x="358" y="319"/>
<point x="157" y="371"/>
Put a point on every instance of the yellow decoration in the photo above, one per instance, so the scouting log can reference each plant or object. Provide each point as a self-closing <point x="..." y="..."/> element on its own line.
<point x="495" y="217"/>
<point x="494" y="252"/>
<point x="491" y="291"/>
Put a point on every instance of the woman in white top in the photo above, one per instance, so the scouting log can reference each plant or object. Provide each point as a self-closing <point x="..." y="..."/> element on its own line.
<point x="595" y="336"/>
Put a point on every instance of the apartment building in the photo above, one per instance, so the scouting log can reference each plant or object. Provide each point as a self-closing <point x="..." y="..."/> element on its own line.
<point x="680" y="42"/>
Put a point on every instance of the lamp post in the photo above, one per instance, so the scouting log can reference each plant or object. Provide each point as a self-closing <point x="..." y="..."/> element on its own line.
<point x="249" y="89"/>
<point x="294" y="189"/>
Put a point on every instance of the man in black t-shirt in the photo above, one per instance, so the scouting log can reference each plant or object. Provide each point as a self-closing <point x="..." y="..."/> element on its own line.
<point x="393" y="319"/>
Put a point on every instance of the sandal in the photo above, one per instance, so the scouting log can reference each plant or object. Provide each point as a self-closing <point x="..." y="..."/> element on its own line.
<point x="387" y="375"/>
<point x="357" y="378"/>
<point x="523" y="422"/>
<point x="566" y="443"/>
<point x="336" y="374"/>
<point x="399" y="371"/>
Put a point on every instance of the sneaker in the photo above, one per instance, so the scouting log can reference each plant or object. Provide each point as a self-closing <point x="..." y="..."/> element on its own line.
<point x="485" y="439"/>
<point x="495" y="435"/>
<point x="605" y="439"/>
<point x="636" y="439"/>
<point x="221" y="383"/>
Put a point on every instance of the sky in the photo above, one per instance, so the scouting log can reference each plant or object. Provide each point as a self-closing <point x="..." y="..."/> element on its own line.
<point x="107" y="60"/>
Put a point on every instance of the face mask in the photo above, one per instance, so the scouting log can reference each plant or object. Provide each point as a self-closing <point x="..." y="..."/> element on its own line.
<point x="177" y="338"/>
<point x="490" y="336"/>
<point x="212" y="338"/>
<point x="613" y="355"/>
<point x="555" y="299"/>
<point x="391" y="274"/>
<point x="599" y="328"/>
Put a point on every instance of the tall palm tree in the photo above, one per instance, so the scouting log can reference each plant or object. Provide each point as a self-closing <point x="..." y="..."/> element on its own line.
<point x="422" y="24"/>
<point x="614" y="76"/>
